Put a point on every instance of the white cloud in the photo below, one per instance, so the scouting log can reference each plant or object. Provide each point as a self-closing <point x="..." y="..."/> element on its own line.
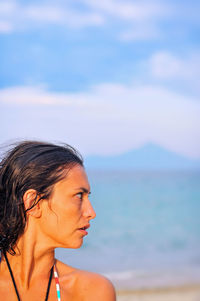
<point x="115" y="118"/>
<point x="15" y="17"/>
<point x="7" y="7"/>
<point x="62" y="16"/>
<point x="28" y="95"/>
<point x="6" y="10"/>
<point x="180" y="71"/>
<point x="128" y="10"/>
<point x="134" y="20"/>
<point x="5" y="27"/>
<point x="164" y="65"/>
<point x="139" y="19"/>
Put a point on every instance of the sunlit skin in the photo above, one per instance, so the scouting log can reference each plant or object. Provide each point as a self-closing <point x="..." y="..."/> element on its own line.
<point x="68" y="210"/>
<point x="53" y="223"/>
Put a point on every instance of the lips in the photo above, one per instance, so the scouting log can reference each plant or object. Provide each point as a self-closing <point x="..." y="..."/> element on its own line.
<point x="85" y="227"/>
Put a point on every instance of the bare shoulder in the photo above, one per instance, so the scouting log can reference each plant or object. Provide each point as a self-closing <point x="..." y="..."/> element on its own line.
<point x="89" y="286"/>
<point x="97" y="286"/>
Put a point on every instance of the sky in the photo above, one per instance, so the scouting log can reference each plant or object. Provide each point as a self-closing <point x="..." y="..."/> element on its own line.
<point x="104" y="76"/>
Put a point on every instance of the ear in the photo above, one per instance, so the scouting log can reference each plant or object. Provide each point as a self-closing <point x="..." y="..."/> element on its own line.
<point x="30" y="198"/>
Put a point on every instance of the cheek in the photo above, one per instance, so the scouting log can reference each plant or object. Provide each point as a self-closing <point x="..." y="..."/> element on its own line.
<point x="60" y="225"/>
<point x="65" y="217"/>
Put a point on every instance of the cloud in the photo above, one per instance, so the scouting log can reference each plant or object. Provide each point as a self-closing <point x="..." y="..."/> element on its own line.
<point x="139" y="19"/>
<point x="165" y="65"/>
<point x="6" y="9"/>
<point x="136" y="20"/>
<point x="5" y="27"/>
<point x="62" y="16"/>
<point x="17" y="17"/>
<point x="128" y="10"/>
<point x="115" y="118"/>
<point x="38" y="95"/>
<point x="129" y="20"/>
<point x="180" y="71"/>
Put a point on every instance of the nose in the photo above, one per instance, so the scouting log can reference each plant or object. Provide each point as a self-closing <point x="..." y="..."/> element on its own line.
<point x="89" y="212"/>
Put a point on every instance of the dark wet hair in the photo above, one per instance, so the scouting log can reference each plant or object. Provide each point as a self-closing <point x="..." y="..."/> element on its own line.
<point x="29" y="165"/>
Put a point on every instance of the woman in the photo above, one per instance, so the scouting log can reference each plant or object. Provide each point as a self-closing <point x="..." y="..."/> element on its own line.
<point x="44" y="205"/>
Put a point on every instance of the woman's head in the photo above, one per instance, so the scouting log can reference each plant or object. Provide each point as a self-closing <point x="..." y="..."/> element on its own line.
<point x="62" y="220"/>
<point x="29" y="165"/>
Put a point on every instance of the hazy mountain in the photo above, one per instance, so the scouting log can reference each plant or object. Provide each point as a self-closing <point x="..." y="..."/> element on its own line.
<point x="149" y="157"/>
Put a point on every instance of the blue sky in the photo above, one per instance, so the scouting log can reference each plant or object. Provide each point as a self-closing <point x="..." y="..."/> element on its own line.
<point x="105" y="76"/>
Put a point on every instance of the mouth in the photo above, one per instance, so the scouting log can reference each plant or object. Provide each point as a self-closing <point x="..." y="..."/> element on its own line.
<point x="84" y="228"/>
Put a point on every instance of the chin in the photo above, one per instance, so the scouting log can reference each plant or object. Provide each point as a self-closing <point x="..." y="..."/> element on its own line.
<point x="78" y="245"/>
<point x="75" y="245"/>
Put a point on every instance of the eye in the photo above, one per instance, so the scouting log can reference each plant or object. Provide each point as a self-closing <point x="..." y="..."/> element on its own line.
<point x="80" y="195"/>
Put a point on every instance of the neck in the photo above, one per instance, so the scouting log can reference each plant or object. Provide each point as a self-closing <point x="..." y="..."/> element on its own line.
<point x="33" y="260"/>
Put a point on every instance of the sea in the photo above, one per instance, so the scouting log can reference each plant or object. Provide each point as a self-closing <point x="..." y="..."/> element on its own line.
<point x="147" y="229"/>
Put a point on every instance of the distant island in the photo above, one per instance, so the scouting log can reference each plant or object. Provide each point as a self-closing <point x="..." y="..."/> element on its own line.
<point x="148" y="157"/>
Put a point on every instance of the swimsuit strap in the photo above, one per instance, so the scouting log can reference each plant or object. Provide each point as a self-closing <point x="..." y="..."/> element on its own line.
<point x="57" y="283"/>
<point x="49" y="282"/>
<point x="11" y="274"/>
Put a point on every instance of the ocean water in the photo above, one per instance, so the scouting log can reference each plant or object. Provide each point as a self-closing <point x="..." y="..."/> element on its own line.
<point x="147" y="228"/>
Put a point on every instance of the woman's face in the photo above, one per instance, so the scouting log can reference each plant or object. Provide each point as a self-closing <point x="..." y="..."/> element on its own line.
<point x="68" y="210"/>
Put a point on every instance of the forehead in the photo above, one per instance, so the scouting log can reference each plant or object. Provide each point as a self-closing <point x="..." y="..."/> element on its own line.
<point x="75" y="178"/>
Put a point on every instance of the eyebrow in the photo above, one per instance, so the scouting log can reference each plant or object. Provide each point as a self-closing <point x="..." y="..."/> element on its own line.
<point x="85" y="190"/>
